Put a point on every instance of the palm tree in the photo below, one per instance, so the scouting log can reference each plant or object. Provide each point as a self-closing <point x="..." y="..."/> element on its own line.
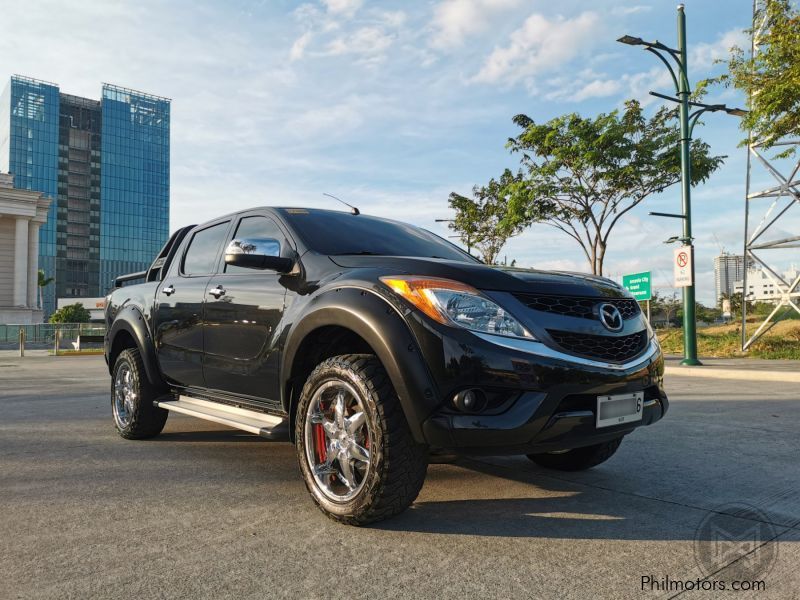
<point x="43" y="281"/>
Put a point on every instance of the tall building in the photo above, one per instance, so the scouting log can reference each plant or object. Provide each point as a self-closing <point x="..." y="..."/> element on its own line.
<point x="105" y="164"/>
<point x="728" y="269"/>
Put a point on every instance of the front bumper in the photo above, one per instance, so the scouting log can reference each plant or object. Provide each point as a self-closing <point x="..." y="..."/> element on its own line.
<point x="552" y="396"/>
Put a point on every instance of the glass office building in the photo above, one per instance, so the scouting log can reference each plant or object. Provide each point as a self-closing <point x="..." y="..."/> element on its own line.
<point x="134" y="189"/>
<point x="106" y="166"/>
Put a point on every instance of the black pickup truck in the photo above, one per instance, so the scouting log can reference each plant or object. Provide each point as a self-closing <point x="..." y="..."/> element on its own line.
<point x="370" y="344"/>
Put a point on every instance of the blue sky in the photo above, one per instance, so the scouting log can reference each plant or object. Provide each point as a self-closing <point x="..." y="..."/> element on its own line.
<point x="390" y="105"/>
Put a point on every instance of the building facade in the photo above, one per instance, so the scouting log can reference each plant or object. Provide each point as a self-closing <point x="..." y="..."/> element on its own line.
<point x="105" y="164"/>
<point x="22" y="214"/>
<point x="762" y="287"/>
<point x="728" y="269"/>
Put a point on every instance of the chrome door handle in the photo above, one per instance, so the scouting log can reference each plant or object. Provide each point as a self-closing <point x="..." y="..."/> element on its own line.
<point x="217" y="292"/>
<point x="169" y="290"/>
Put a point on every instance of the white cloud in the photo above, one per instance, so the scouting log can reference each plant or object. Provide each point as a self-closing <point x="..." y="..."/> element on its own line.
<point x="630" y="10"/>
<point x="538" y="46"/>
<point x="391" y="18"/>
<point x="369" y="43"/>
<point x="703" y="55"/>
<point x="343" y="7"/>
<point x="455" y="20"/>
<point x="299" y="47"/>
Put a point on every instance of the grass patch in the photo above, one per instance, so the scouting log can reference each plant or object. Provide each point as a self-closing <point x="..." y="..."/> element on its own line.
<point x="87" y="352"/>
<point x="724" y="341"/>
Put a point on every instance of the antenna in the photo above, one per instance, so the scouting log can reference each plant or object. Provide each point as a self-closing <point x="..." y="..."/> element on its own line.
<point x="353" y="210"/>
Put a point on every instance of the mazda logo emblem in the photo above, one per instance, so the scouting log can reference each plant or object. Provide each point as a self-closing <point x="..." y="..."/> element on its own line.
<point x="610" y="317"/>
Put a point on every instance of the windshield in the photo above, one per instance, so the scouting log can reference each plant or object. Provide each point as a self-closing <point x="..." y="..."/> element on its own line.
<point x="337" y="233"/>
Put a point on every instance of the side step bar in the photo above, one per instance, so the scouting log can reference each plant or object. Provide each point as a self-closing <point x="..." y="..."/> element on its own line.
<point x="267" y="426"/>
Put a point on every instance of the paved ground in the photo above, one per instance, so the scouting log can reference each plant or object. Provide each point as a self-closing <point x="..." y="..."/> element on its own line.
<point x="204" y="511"/>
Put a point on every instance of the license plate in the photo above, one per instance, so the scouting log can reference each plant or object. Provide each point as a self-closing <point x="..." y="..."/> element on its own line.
<point x="622" y="408"/>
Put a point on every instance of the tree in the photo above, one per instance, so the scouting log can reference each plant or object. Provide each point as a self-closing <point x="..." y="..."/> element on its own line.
<point x="72" y="313"/>
<point x="668" y="305"/>
<point x="734" y="300"/>
<point x="770" y="78"/>
<point x="482" y="221"/>
<point x="43" y="282"/>
<point x="582" y="175"/>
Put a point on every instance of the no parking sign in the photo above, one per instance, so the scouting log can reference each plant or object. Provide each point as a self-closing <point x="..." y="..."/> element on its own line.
<point x="682" y="265"/>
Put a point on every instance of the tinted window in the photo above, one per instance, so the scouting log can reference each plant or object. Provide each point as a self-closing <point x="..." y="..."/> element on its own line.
<point x="201" y="256"/>
<point x="256" y="228"/>
<point x="329" y="232"/>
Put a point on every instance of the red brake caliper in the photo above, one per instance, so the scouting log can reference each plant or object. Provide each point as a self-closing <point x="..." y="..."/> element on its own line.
<point x="319" y="442"/>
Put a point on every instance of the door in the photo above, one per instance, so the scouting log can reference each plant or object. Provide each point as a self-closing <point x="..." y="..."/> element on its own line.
<point x="242" y="313"/>
<point x="179" y="306"/>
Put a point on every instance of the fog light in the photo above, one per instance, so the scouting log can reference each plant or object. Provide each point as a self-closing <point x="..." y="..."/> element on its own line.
<point x="471" y="400"/>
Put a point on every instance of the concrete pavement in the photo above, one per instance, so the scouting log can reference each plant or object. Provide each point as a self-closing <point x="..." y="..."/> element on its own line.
<point x="203" y="511"/>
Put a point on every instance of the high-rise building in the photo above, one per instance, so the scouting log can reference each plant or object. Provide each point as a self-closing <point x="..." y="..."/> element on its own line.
<point x="105" y="164"/>
<point x="728" y="269"/>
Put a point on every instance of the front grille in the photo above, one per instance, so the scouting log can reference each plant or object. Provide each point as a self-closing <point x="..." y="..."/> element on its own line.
<point x="604" y="347"/>
<point x="576" y="306"/>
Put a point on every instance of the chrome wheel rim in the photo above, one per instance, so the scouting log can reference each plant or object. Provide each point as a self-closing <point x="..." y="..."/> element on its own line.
<point x="337" y="441"/>
<point x="124" y="396"/>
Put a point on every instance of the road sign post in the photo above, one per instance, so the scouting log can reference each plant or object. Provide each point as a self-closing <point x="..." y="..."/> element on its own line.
<point x="638" y="284"/>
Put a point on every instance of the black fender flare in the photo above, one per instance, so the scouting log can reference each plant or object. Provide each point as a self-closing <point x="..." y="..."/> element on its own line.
<point x="380" y="324"/>
<point x="130" y="319"/>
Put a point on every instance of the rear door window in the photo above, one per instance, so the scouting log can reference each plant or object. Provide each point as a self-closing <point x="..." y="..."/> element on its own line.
<point x="203" y="251"/>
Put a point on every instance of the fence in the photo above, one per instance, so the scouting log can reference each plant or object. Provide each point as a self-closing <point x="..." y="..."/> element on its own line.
<point x="44" y="334"/>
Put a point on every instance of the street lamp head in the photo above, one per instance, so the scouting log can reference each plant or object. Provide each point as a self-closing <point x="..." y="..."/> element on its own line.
<point x="631" y="41"/>
<point x="738" y="112"/>
<point x="680" y="7"/>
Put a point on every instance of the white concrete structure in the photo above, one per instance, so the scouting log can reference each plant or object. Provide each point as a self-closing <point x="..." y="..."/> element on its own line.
<point x="760" y="286"/>
<point x="22" y="212"/>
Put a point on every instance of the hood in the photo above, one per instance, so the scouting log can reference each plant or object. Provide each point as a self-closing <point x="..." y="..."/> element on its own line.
<point x="490" y="278"/>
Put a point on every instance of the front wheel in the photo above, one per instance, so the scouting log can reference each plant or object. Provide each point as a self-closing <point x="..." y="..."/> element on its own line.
<point x="578" y="459"/>
<point x="132" y="396"/>
<point x="356" y="453"/>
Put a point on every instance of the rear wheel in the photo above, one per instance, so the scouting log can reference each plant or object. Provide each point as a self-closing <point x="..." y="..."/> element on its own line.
<point x="358" y="458"/>
<point x="577" y="459"/>
<point x="132" y="396"/>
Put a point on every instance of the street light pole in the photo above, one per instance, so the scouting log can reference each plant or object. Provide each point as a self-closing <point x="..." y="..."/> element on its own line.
<point x="687" y="123"/>
<point x="689" y="317"/>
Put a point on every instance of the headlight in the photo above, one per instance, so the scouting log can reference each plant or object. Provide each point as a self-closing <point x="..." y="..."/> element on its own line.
<point x="454" y="303"/>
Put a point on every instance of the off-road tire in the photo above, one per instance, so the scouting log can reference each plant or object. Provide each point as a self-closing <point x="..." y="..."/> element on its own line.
<point x="146" y="420"/>
<point x="398" y="463"/>
<point x="578" y="459"/>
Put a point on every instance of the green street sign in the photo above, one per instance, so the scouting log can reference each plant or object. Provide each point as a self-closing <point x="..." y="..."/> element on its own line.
<point x="638" y="284"/>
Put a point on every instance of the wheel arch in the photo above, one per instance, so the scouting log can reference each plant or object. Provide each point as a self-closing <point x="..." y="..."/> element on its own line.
<point x="129" y="330"/>
<point x="353" y="320"/>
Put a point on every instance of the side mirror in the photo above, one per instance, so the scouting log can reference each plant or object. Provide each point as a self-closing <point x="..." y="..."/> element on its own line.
<point x="257" y="254"/>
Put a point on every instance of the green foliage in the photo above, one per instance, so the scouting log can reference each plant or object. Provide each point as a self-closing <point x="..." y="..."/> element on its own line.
<point x="581" y="175"/>
<point x="666" y="305"/>
<point x="482" y="221"/>
<point x="43" y="280"/>
<point x="725" y="341"/>
<point x="771" y="78"/>
<point x="72" y="313"/>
